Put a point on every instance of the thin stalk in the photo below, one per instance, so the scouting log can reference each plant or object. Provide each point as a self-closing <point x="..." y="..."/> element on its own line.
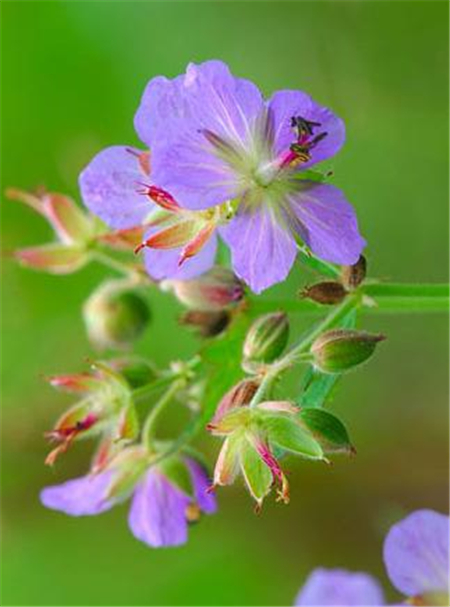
<point x="113" y="263"/>
<point x="148" y="429"/>
<point x="167" y="378"/>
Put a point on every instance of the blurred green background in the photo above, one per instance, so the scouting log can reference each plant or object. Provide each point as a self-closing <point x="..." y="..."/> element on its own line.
<point x="72" y="77"/>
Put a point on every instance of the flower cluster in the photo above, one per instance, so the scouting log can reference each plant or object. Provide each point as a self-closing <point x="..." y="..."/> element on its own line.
<point x="220" y="164"/>
<point x="220" y="159"/>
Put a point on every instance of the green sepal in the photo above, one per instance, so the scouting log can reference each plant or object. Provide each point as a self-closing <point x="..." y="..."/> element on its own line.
<point x="256" y="473"/>
<point x="176" y="471"/>
<point x="129" y="465"/>
<point x="286" y="432"/>
<point x="327" y="429"/>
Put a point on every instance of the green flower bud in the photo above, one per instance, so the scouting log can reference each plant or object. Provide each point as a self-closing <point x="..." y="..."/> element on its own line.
<point x="339" y="350"/>
<point x="266" y="338"/>
<point x="115" y="316"/>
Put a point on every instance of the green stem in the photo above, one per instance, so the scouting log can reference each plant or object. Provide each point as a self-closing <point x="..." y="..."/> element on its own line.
<point x="167" y="378"/>
<point x="298" y="353"/>
<point x="387" y="298"/>
<point x="148" y="429"/>
<point x="115" y="264"/>
<point x="143" y="391"/>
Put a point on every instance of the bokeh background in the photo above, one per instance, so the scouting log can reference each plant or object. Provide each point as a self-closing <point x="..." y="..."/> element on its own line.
<point x="72" y="77"/>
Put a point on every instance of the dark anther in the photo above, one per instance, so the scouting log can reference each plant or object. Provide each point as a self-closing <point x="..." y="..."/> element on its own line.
<point x="303" y="126"/>
<point x="316" y="139"/>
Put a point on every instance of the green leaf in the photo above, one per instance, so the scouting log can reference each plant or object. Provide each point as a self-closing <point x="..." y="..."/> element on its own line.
<point x="256" y="473"/>
<point x="327" y="429"/>
<point x="286" y="432"/>
<point x="177" y="473"/>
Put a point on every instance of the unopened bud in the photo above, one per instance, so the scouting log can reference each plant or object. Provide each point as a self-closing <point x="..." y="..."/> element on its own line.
<point x="339" y="350"/>
<point x="115" y="316"/>
<point x="352" y="276"/>
<point x="266" y="338"/>
<point x="239" y="395"/>
<point x="218" y="289"/>
<point x="208" y="324"/>
<point x="327" y="293"/>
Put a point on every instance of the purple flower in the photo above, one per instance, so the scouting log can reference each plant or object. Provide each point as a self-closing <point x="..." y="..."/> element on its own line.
<point x="416" y="555"/>
<point x="218" y="147"/>
<point x="340" y="587"/>
<point x="160" y="511"/>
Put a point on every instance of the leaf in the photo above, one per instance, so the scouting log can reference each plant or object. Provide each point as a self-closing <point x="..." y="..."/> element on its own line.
<point x="286" y="433"/>
<point x="257" y="474"/>
<point x="327" y="429"/>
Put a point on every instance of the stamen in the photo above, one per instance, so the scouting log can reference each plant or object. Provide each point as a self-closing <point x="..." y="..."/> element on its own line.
<point x="160" y="196"/>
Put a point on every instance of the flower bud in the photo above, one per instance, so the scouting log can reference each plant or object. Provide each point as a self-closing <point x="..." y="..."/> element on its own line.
<point x="327" y="293"/>
<point x="266" y="338"/>
<point x="115" y="316"/>
<point x="352" y="276"/>
<point x="339" y="350"/>
<point x="239" y="395"/>
<point x="208" y="324"/>
<point x="218" y="289"/>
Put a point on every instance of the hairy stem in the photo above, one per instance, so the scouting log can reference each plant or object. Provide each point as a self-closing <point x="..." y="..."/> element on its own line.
<point x="388" y="298"/>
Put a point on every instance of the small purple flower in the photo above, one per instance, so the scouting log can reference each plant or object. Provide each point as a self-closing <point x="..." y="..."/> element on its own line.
<point x="216" y="144"/>
<point x="160" y="511"/>
<point x="416" y="555"/>
<point x="338" y="587"/>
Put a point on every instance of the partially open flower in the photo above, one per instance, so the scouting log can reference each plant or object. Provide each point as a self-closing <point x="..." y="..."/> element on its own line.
<point x="105" y="409"/>
<point x="165" y="498"/>
<point x="252" y="434"/>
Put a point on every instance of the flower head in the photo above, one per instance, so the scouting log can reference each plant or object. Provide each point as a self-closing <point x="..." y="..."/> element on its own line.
<point x="216" y="143"/>
<point x="416" y="555"/>
<point x="161" y="506"/>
